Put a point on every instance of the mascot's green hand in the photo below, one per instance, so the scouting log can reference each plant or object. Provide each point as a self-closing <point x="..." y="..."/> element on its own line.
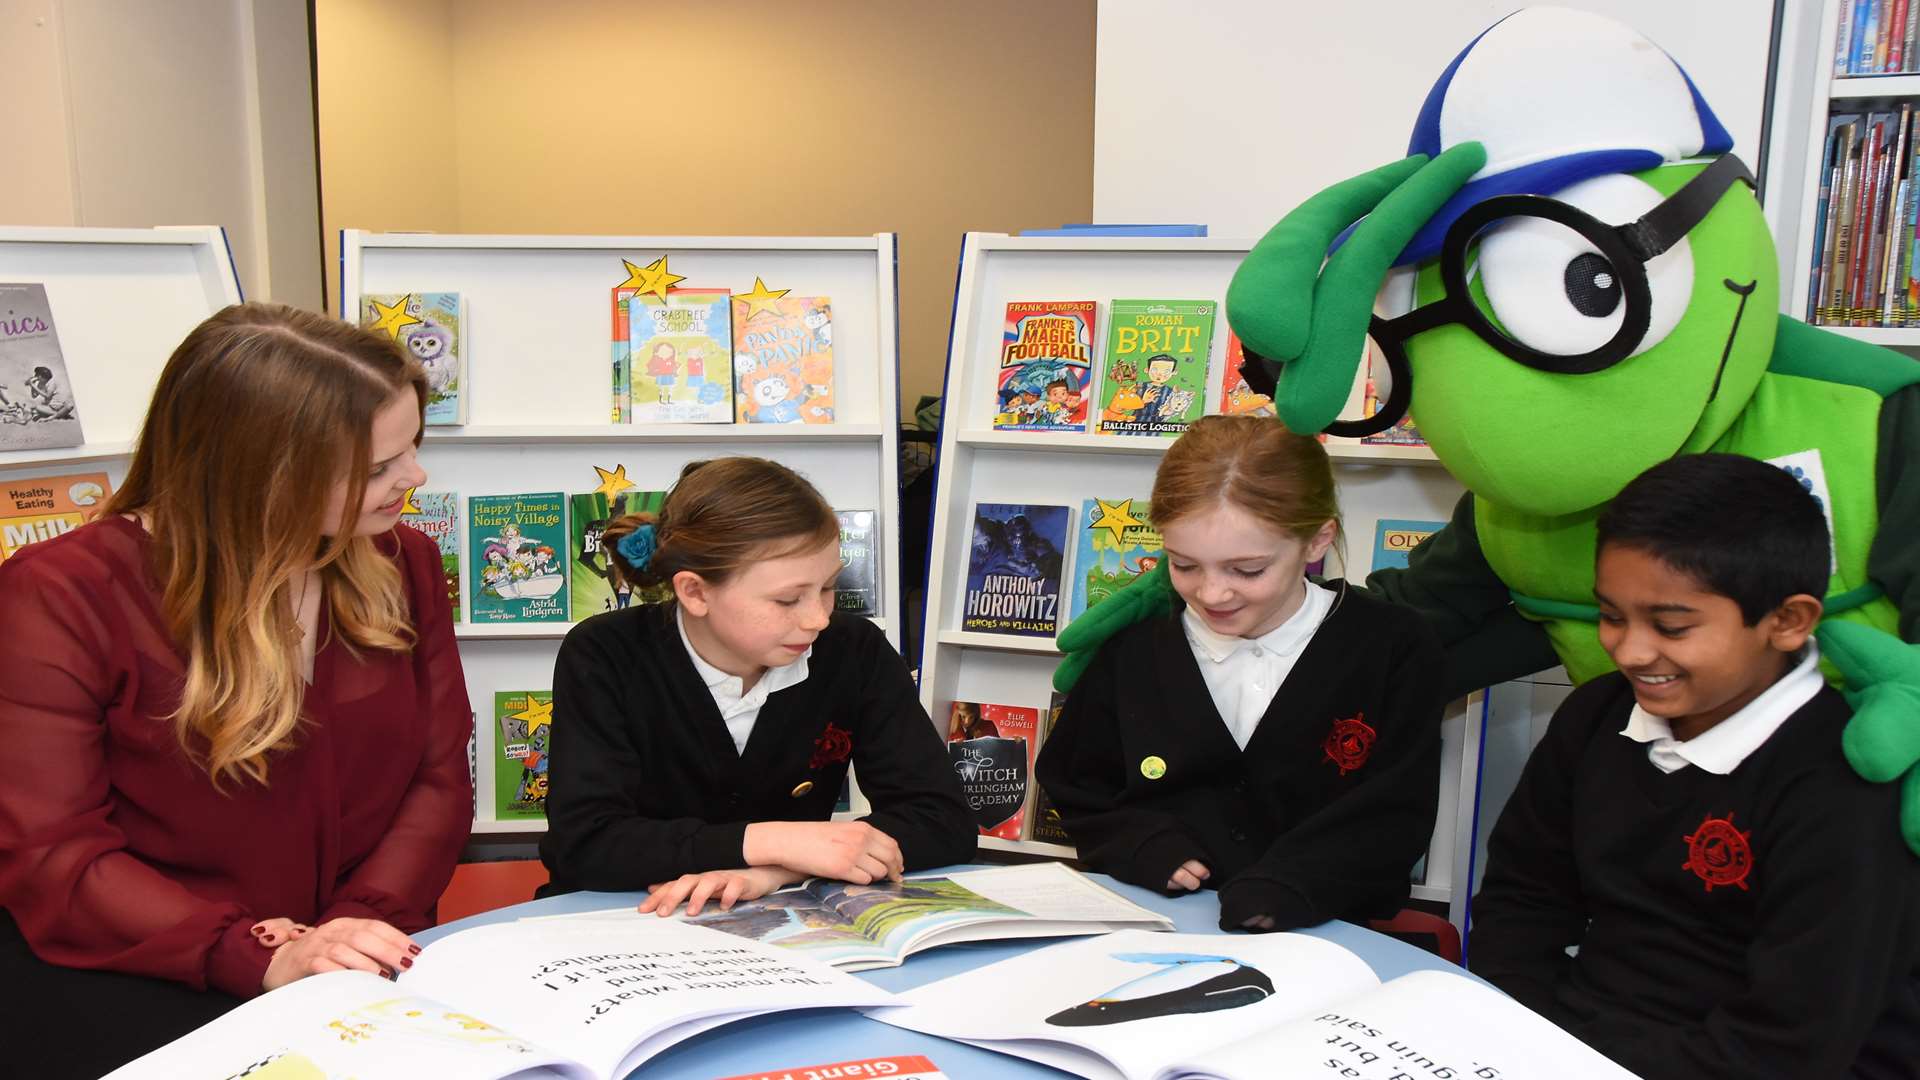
<point x="1145" y="597"/>
<point x="1882" y="741"/>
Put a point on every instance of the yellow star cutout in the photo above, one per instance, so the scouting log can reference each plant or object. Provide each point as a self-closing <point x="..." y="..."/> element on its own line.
<point x="636" y="275"/>
<point x="409" y="506"/>
<point x="537" y="714"/>
<point x="1115" y="517"/>
<point x="612" y="483"/>
<point x="762" y="299"/>
<point x="657" y="279"/>
<point x="393" y="319"/>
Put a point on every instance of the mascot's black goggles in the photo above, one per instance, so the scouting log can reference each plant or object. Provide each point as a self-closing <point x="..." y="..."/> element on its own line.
<point x="1597" y="282"/>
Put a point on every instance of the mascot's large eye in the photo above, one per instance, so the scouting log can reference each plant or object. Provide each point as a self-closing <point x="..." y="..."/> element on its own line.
<point x="1550" y="289"/>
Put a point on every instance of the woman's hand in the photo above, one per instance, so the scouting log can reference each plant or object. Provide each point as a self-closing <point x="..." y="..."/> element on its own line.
<point x="341" y="945"/>
<point x="843" y="850"/>
<point x="724" y="887"/>
<point x="1190" y="876"/>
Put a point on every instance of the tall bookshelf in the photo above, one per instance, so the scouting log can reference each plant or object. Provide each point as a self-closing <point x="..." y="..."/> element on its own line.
<point x="978" y="464"/>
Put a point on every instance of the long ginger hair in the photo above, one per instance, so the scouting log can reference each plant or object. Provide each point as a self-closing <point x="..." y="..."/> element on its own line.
<point x="256" y="416"/>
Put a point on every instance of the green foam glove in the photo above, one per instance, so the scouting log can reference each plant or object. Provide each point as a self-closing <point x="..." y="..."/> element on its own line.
<point x="1145" y="597"/>
<point x="1882" y="741"/>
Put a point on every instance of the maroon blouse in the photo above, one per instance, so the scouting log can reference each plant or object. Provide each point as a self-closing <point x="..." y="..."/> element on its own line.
<point x="117" y="852"/>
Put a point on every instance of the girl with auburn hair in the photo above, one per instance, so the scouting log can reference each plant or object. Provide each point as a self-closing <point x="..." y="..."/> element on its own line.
<point x="699" y="745"/>
<point x="239" y="694"/>
<point x="1256" y="732"/>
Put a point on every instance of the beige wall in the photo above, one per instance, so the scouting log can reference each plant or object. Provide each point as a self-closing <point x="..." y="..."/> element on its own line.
<point x="738" y="117"/>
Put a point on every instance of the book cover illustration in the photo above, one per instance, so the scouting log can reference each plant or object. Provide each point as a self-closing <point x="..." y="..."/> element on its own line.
<point x="783" y="359"/>
<point x="1395" y="538"/>
<point x="515" y="543"/>
<point x="37" y="408"/>
<point x="429" y="326"/>
<point x="1236" y="397"/>
<point x="991" y="748"/>
<point x="857" y="589"/>
<point x="525" y="720"/>
<point x="42" y="507"/>
<point x="1117" y="544"/>
<point x="681" y="360"/>
<point x="1046" y="366"/>
<point x="1153" y="380"/>
<point x="1402" y="433"/>
<point x="437" y="514"/>
<point x="592" y="586"/>
<point x="1014" y="569"/>
<point x="1046" y="825"/>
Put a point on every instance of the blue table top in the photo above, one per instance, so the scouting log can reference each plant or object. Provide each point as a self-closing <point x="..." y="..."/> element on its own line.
<point x="791" y="1040"/>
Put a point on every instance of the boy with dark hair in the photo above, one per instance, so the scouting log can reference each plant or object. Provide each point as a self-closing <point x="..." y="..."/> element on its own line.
<point x="1739" y="903"/>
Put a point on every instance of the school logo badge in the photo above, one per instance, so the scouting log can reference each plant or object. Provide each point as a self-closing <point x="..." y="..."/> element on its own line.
<point x="833" y="746"/>
<point x="1349" y="743"/>
<point x="1718" y="853"/>
<point x="993" y="776"/>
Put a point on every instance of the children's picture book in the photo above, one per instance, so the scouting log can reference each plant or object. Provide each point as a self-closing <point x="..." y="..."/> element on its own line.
<point x="1118" y="543"/>
<point x="1135" y="1005"/>
<point x="992" y="748"/>
<point x="525" y="720"/>
<point x="1402" y="433"/>
<point x="37" y="409"/>
<point x="783" y="361"/>
<point x="857" y="589"/>
<point x="1014" y="569"/>
<point x="898" y="1067"/>
<point x="1153" y="380"/>
<point x="681" y="357"/>
<point x="1395" y="538"/>
<point x="585" y="1000"/>
<point x="592" y="586"/>
<point x="1236" y="397"/>
<point x="1046" y="826"/>
<point x="1046" y="366"/>
<point x="515" y="542"/>
<point x="623" y="354"/>
<point x="437" y="514"/>
<point x="429" y="326"/>
<point x="40" y="508"/>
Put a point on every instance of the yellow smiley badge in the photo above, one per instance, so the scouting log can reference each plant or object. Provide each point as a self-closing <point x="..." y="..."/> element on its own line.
<point x="1153" y="767"/>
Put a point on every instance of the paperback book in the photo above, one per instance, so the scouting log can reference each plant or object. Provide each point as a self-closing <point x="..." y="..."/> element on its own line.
<point x="1395" y="538"/>
<point x="991" y="748"/>
<point x="1014" y="569"/>
<point x="1046" y="825"/>
<point x="1118" y="543"/>
<point x="428" y="325"/>
<point x="857" y="589"/>
<point x="437" y="514"/>
<point x="42" y="507"/>
<point x="1153" y="380"/>
<point x="783" y="361"/>
<point x="37" y="409"/>
<point x="897" y="1067"/>
<point x="1236" y="397"/>
<point x="1046" y="366"/>
<point x="515" y="542"/>
<point x="592" y="586"/>
<point x="681" y="358"/>
<point x="623" y="354"/>
<point x="525" y="719"/>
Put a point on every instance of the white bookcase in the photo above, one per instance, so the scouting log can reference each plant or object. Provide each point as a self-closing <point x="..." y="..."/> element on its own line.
<point x="978" y="464"/>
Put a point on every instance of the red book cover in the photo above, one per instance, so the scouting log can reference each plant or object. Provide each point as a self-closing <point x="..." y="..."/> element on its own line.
<point x="992" y="748"/>
<point x="1236" y="397"/>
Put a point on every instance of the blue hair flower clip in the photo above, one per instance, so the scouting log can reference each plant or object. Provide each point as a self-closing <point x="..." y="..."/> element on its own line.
<point x="638" y="546"/>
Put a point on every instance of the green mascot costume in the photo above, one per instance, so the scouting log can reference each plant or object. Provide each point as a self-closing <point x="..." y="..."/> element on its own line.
<point x="1574" y="282"/>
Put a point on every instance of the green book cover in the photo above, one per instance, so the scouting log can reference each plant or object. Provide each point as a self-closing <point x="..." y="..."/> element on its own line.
<point x="1118" y="543"/>
<point x="525" y="720"/>
<point x="516" y="543"/>
<point x="1153" y="378"/>
<point x="437" y="514"/>
<point x="592" y="587"/>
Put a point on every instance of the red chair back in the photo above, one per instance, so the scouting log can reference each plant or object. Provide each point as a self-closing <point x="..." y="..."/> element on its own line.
<point x="485" y="886"/>
<point x="1446" y="937"/>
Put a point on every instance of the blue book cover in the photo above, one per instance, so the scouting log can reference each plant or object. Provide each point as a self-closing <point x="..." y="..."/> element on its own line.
<point x="1014" y="569"/>
<point x="1117" y="544"/>
<point x="1395" y="538"/>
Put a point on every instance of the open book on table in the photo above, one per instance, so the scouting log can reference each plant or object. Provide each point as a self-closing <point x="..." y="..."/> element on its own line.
<point x="857" y="927"/>
<point x="1136" y="1006"/>
<point x="584" y="1000"/>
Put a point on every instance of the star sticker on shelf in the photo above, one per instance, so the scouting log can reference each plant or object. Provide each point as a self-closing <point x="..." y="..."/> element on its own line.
<point x="637" y="275"/>
<point x="658" y="279"/>
<point x="407" y="505"/>
<point x="612" y="483"/>
<point x="761" y="300"/>
<point x="393" y="319"/>
<point x="1115" y="517"/>
<point x="537" y="714"/>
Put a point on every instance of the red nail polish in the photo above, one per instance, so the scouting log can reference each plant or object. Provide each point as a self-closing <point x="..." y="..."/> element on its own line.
<point x="413" y="950"/>
<point x="406" y="961"/>
<point x="256" y="931"/>
<point x="387" y="975"/>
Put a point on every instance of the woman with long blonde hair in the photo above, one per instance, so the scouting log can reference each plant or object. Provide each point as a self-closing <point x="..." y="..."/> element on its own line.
<point x="233" y="700"/>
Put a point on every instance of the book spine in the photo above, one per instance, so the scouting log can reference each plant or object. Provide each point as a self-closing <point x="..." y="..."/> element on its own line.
<point x="1843" y="234"/>
<point x="1862" y="229"/>
<point x="1876" y="250"/>
<point x="1858" y="36"/>
<point x="1908" y="46"/>
<point x="1843" y="38"/>
<point x="1863" y="60"/>
<point x="1823" y="230"/>
<point x="1896" y="36"/>
<point x="1896" y="218"/>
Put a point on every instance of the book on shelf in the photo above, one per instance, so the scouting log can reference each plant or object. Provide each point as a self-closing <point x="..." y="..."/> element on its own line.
<point x="585" y="1000"/>
<point x="991" y="748"/>
<point x="1133" y="1005"/>
<point x="437" y="515"/>
<point x="1402" y="433"/>
<point x="1395" y="538"/>
<point x="592" y="586"/>
<point x="516" y="543"/>
<point x="895" y="1067"/>
<point x="1044" y="824"/>
<point x="1014" y="569"/>
<point x="37" y="407"/>
<point x="1045" y="379"/>
<point x="1865" y="215"/>
<point x="623" y="354"/>
<point x="783" y="360"/>
<point x="42" y="507"/>
<point x="1153" y="377"/>
<point x="525" y="722"/>
<point x="1236" y="397"/>
<point x="681" y="357"/>
<point x="1117" y="543"/>
<point x="428" y="325"/>
<point x="1876" y="37"/>
<point x="857" y="589"/>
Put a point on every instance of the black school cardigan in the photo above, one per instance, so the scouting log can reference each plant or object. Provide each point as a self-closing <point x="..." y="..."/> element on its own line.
<point x="1323" y="814"/>
<point x="645" y="784"/>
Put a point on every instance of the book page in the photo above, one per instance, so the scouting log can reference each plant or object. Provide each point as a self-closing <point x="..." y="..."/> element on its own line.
<point x="1129" y="1003"/>
<point x="1427" y="1024"/>
<point x="901" y="1067"/>
<point x="1057" y="892"/>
